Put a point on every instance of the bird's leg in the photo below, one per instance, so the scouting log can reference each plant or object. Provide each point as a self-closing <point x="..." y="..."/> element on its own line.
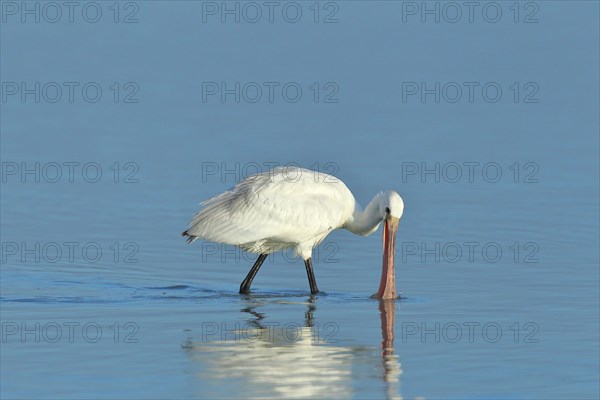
<point x="245" y="286"/>
<point x="311" y="276"/>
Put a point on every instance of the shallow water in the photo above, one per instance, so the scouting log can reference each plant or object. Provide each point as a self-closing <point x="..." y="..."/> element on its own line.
<point x="101" y="297"/>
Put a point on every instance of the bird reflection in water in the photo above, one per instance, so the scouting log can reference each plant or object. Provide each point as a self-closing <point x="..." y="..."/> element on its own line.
<point x="292" y="360"/>
<point x="391" y="362"/>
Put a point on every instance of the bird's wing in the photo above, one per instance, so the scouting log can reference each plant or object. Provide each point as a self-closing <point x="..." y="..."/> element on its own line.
<point x="275" y="208"/>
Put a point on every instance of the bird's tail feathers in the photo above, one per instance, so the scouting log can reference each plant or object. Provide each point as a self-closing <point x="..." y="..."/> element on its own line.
<point x="190" y="237"/>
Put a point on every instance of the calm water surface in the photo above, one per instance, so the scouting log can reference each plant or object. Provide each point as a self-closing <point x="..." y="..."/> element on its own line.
<point x="499" y="273"/>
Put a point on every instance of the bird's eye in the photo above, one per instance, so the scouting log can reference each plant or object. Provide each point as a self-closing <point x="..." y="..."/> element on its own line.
<point x="387" y="210"/>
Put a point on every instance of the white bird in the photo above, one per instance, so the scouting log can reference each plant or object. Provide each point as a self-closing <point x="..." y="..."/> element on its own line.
<point x="297" y="208"/>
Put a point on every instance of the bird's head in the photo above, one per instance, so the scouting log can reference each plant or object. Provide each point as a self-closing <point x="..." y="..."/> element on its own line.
<point x="392" y="208"/>
<point x="391" y="205"/>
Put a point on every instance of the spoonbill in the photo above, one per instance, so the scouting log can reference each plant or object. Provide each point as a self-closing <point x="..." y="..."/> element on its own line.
<point x="290" y="207"/>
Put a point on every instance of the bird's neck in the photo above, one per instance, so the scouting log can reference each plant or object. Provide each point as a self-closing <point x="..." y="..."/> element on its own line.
<point x="364" y="222"/>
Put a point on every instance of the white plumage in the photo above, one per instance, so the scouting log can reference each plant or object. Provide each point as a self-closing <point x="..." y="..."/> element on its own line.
<point x="288" y="207"/>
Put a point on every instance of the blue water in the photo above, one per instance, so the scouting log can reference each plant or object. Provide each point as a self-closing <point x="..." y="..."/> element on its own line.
<point x="101" y="298"/>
